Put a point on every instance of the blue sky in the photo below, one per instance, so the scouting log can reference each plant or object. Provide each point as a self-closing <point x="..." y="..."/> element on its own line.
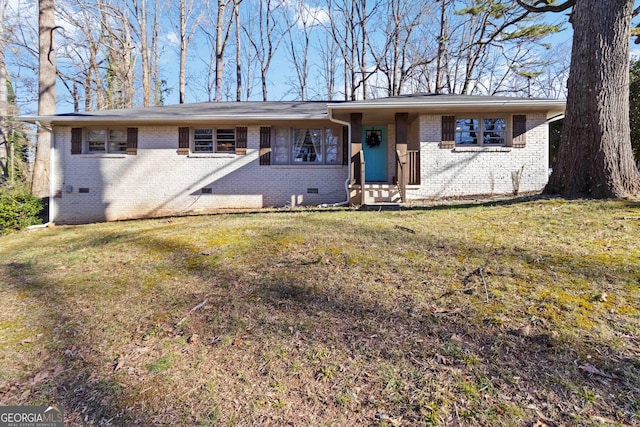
<point x="278" y="76"/>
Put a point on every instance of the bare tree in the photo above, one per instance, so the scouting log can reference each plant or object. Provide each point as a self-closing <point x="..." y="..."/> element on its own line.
<point x="328" y="53"/>
<point x="159" y="85"/>
<point x="119" y="62"/>
<point x="221" y="20"/>
<point x="140" y="12"/>
<point x="443" y="53"/>
<point x="4" y="102"/>
<point x="394" y="59"/>
<point x="480" y="47"/>
<point x="305" y="20"/>
<point x="189" y="17"/>
<point x="348" y="27"/>
<point x="270" y="34"/>
<point x="47" y="95"/>
<point x="236" y="18"/>
<point x="80" y="51"/>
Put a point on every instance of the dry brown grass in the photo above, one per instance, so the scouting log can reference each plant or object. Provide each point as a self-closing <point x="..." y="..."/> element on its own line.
<point x="331" y="317"/>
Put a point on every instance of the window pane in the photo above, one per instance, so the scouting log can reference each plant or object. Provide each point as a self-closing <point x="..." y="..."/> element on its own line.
<point x="226" y="140"/>
<point x="467" y="131"/>
<point x="494" y="131"/>
<point x="281" y="146"/>
<point x="203" y="140"/>
<point x="96" y="138"/>
<point x="117" y="140"/>
<point x="332" y="147"/>
<point x="306" y="146"/>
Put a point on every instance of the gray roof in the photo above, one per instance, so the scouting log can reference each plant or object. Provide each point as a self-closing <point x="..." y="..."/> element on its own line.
<point x="422" y="100"/>
<point x="202" y="111"/>
<point x="273" y="111"/>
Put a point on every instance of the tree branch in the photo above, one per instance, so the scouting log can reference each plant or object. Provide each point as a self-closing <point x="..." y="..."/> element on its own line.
<point x="547" y="7"/>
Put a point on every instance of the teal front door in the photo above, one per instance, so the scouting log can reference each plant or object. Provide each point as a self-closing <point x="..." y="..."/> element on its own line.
<point x="374" y="145"/>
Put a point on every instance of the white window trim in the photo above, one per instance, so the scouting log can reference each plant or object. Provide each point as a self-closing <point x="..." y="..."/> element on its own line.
<point x="481" y="118"/>
<point x="214" y="153"/>
<point x="106" y="152"/>
<point x="291" y="164"/>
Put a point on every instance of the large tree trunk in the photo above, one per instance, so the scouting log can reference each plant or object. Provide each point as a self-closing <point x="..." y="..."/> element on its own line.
<point x="47" y="96"/>
<point x="141" y="15"/>
<point x="594" y="157"/>
<point x="4" y="152"/>
<point x="443" y="42"/>
<point x="236" y="14"/>
<point x="220" y="45"/>
<point x="183" y="51"/>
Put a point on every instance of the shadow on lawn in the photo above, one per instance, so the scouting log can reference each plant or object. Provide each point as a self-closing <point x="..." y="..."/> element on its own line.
<point x="548" y="370"/>
<point x="401" y="330"/>
<point x="67" y="376"/>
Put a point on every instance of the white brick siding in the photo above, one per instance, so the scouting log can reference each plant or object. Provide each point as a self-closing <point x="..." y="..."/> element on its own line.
<point x="475" y="171"/>
<point x="159" y="182"/>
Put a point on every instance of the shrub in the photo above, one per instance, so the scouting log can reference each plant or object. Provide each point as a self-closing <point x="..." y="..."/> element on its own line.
<point x="18" y="209"/>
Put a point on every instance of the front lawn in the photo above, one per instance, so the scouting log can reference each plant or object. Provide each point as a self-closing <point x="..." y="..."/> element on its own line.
<point x="470" y="314"/>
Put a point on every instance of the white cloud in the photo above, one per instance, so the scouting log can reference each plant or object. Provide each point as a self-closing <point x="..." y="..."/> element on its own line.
<point x="173" y="38"/>
<point x="313" y="15"/>
<point x="17" y="11"/>
<point x="307" y="14"/>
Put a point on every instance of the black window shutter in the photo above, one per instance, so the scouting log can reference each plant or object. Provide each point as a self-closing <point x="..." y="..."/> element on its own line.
<point x="241" y="140"/>
<point x="76" y="140"/>
<point x="519" y="131"/>
<point x="265" y="146"/>
<point x="183" y="140"/>
<point x="345" y="145"/>
<point x="448" y="132"/>
<point x="132" y="141"/>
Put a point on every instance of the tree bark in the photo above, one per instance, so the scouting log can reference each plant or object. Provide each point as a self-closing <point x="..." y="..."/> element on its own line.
<point x="4" y="102"/>
<point x="141" y="16"/>
<point x="47" y="96"/>
<point x="236" y="14"/>
<point x="158" y="95"/>
<point x="183" y="51"/>
<point x="220" y="45"/>
<point x="595" y="157"/>
<point x="443" y="42"/>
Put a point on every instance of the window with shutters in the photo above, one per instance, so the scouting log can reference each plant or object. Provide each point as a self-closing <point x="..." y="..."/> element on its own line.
<point x="106" y="140"/>
<point x="226" y="140"/>
<point x="214" y="140"/>
<point x="481" y="131"/>
<point x="203" y="140"/>
<point x="306" y="146"/>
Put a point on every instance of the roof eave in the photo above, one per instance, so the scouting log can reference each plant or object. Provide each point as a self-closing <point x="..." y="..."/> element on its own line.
<point x="439" y="105"/>
<point x="65" y="120"/>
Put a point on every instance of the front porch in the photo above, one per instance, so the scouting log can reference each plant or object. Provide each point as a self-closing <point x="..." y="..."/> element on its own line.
<point x="385" y="156"/>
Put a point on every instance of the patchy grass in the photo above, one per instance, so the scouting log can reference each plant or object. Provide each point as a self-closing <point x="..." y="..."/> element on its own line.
<point x="492" y="314"/>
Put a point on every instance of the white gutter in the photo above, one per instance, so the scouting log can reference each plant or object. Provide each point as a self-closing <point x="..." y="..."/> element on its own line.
<point x="346" y="183"/>
<point x="555" y="118"/>
<point x="444" y="103"/>
<point x="177" y="119"/>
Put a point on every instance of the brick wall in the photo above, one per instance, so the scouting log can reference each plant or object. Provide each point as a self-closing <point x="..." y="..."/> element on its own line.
<point x="473" y="171"/>
<point x="159" y="182"/>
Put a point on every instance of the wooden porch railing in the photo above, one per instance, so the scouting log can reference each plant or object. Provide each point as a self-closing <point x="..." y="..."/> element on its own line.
<point x="402" y="182"/>
<point x="408" y="170"/>
<point x="413" y="159"/>
<point x="357" y="173"/>
<point x="357" y="168"/>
